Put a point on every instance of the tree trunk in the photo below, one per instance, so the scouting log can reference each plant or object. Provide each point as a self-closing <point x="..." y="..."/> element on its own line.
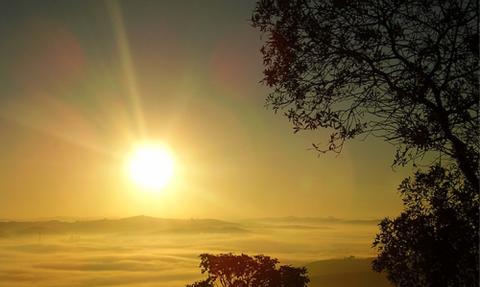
<point x="467" y="161"/>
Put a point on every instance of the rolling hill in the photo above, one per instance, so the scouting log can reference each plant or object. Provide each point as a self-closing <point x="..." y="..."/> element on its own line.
<point x="126" y="226"/>
<point x="346" y="272"/>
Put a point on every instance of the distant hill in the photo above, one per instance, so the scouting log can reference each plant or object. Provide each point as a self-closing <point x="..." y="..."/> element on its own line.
<point x="131" y="225"/>
<point x="347" y="272"/>
<point x="312" y="220"/>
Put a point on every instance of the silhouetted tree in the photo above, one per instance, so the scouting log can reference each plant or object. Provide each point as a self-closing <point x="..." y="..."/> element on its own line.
<point x="203" y="283"/>
<point x="228" y="270"/>
<point x="434" y="242"/>
<point x="403" y="70"/>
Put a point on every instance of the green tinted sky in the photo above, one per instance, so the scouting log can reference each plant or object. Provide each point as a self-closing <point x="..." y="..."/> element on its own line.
<point x="81" y="82"/>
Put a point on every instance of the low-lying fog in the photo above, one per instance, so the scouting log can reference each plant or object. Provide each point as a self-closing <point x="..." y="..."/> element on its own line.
<point x="144" y="251"/>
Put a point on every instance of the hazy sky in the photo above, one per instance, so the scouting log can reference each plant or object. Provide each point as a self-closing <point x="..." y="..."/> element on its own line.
<point x="81" y="82"/>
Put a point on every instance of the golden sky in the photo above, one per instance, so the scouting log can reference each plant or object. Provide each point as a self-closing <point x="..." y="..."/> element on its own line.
<point x="82" y="82"/>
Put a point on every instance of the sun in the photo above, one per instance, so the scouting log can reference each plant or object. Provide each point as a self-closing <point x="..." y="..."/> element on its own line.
<point x="151" y="166"/>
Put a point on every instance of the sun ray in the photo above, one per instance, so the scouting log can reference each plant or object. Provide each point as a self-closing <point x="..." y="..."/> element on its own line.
<point x="127" y="64"/>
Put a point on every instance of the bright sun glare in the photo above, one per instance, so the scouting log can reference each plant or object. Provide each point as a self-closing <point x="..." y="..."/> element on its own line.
<point x="151" y="166"/>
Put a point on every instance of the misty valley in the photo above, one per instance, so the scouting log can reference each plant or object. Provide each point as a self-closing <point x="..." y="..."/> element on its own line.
<point x="239" y="143"/>
<point x="148" y="251"/>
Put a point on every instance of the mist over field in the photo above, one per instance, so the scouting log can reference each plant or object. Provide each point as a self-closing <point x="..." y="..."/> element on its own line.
<point x="146" y="251"/>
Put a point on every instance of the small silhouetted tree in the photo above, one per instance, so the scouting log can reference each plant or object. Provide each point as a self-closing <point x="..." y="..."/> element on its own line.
<point x="434" y="242"/>
<point x="402" y="70"/>
<point x="229" y="270"/>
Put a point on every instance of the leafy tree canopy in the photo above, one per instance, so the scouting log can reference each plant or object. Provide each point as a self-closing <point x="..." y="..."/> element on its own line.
<point x="434" y="242"/>
<point x="229" y="270"/>
<point x="402" y="70"/>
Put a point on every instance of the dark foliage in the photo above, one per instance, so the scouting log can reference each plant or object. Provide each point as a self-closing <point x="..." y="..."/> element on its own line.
<point x="434" y="242"/>
<point x="228" y="270"/>
<point x="405" y="71"/>
<point x="402" y="70"/>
